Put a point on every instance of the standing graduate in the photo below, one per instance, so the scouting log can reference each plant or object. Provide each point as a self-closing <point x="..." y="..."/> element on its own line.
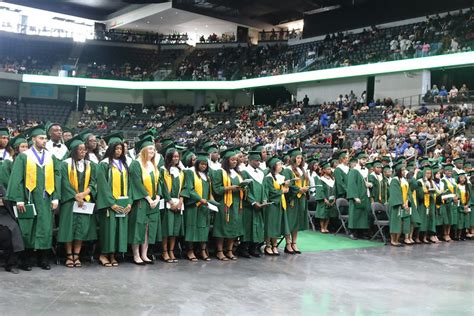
<point x="325" y="197"/>
<point x="451" y="203"/>
<point x="276" y="221"/>
<point x="17" y="145"/>
<point x="172" y="224"/>
<point x="415" y="220"/>
<point x="379" y="189"/>
<point x="92" y="146"/>
<point x="197" y="217"/>
<point x="263" y="154"/>
<point x="458" y="167"/>
<point x="358" y="195"/>
<point x="55" y="143"/>
<point x="144" y="223"/>
<point x="35" y="187"/>
<point x="4" y="139"/>
<point x="464" y="209"/>
<point x="213" y="161"/>
<point x="113" y="200"/>
<point x="228" y="193"/>
<point x="340" y="175"/>
<point x="426" y="205"/>
<point x="297" y="198"/>
<point x="252" y="214"/>
<point x="399" y="206"/>
<point x="78" y="185"/>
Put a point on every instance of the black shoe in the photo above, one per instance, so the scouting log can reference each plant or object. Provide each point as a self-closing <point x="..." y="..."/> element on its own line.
<point x="44" y="266"/>
<point x="25" y="267"/>
<point x="244" y="253"/>
<point x="255" y="252"/>
<point x="149" y="262"/>
<point x="12" y="269"/>
<point x="292" y="252"/>
<point x="139" y="263"/>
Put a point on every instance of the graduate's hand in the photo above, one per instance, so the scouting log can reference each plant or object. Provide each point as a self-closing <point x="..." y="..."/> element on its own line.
<point x="203" y="201"/>
<point x="235" y="188"/>
<point x="357" y="200"/>
<point x="116" y="208"/>
<point x="304" y="189"/>
<point x="405" y="206"/>
<point x="257" y="205"/>
<point x="455" y="199"/>
<point x="54" y="205"/>
<point x="173" y="206"/>
<point x="369" y="185"/>
<point x="326" y="201"/>
<point x="287" y="182"/>
<point x="285" y="190"/>
<point x="79" y="197"/>
<point x="179" y="205"/>
<point x="127" y="209"/>
<point x="20" y="207"/>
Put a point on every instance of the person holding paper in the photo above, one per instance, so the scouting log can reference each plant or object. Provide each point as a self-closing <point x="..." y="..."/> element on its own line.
<point x="144" y="224"/>
<point x="426" y="205"/>
<point x="464" y="197"/>
<point x="358" y="195"/>
<point x="229" y="194"/>
<point x="399" y="206"/>
<point x="78" y="186"/>
<point x="252" y="213"/>
<point x="276" y="221"/>
<point x="296" y="197"/>
<point x="113" y="200"/>
<point x="450" y="202"/>
<point x="197" y="217"/>
<point x="172" y="216"/>
<point x="325" y="197"/>
<point x="35" y="187"/>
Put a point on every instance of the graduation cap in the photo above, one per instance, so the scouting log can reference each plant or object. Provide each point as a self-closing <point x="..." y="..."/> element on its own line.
<point x="386" y="167"/>
<point x="114" y="138"/>
<point x="206" y="143"/>
<point x="186" y="157"/>
<point x="435" y="168"/>
<point x="272" y="161"/>
<point x="369" y="165"/>
<point x="362" y="155"/>
<point x="16" y="141"/>
<point x="325" y="165"/>
<point x="462" y="173"/>
<point x="170" y="150"/>
<point x="386" y="158"/>
<point x="4" y="131"/>
<point x="181" y="149"/>
<point x="257" y="147"/>
<point x="295" y="152"/>
<point x="74" y="142"/>
<point x="353" y="159"/>
<point x="37" y="130"/>
<point x="85" y="134"/>
<point x="146" y="134"/>
<point x="377" y="164"/>
<point x="211" y="149"/>
<point x="165" y="142"/>
<point x="226" y="154"/>
<point x="398" y="166"/>
<point x="458" y="160"/>
<point x="68" y="130"/>
<point x="467" y="165"/>
<point x="313" y="160"/>
<point x="255" y="155"/>
<point x="424" y="161"/>
<point x="448" y="167"/>
<point x="342" y="154"/>
<point x="144" y="142"/>
<point x="201" y="156"/>
<point x="48" y="125"/>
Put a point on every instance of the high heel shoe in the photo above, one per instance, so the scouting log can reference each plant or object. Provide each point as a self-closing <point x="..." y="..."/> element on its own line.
<point x="290" y="252"/>
<point x="267" y="253"/>
<point x="296" y="251"/>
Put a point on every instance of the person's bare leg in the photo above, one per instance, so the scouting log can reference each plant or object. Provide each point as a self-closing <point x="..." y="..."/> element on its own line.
<point x="288" y="246"/>
<point x="294" y="237"/>
<point x="220" y="249"/>
<point x="164" y="245"/>
<point x="136" y="253"/>
<point x="172" y="240"/>
<point x="69" y="255"/>
<point x="144" y="248"/>
<point x="230" y="246"/>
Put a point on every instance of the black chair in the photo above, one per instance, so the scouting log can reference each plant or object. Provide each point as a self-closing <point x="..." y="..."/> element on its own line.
<point x="342" y="206"/>
<point x="381" y="219"/>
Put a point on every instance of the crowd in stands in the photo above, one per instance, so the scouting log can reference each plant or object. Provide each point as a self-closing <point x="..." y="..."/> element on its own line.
<point x="442" y="95"/>
<point x="214" y="38"/>
<point x="127" y="36"/>
<point x="280" y="35"/>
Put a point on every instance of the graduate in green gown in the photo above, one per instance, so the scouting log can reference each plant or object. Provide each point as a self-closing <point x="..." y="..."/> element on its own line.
<point x="458" y="167"/>
<point x="35" y="187"/>
<point x="470" y="233"/>
<point x="172" y="223"/>
<point x="144" y="223"/>
<point x="464" y="207"/>
<point x="340" y="175"/>
<point x="358" y="196"/>
<point x="263" y="154"/>
<point x="78" y="185"/>
<point x="252" y="213"/>
<point x="450" y="203"/>
<point x="113" y="200"/>
<point x="399" y="206"/>
<point x="4" y="148"/>
<point x="426" y="204"/>
<point x="296" y="198"/>
<point x="325" y="197"/>
<point x="229" y="194"/>
<point x="276" y="221"/>
<point x="441" y="217"/>
<point x="379" y="189"/>
<point x="17" y="145"/>
<point x="197" y="197"/>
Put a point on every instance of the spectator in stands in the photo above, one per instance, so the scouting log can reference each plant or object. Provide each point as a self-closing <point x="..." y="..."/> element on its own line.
<point x="463" y="93"/>
<point x="425" y="49"/>
<point x="442" y="95"/>
<point x="453" y="94"/>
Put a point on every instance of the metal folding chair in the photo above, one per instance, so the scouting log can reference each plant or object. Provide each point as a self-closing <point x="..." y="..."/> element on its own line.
<point x="312" y="213"/>
<point x="381" y="219"/>
<point x="342" y="206"/>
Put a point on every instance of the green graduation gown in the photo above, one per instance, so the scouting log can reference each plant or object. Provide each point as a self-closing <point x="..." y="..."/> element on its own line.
<point x="197" y="218"/>
<point x="379" y="190"/>
<point x="415" y="219"/>
<point x="143" y="219"/>
<point x="297" y="203"/>
<point x="37" y="232"/>
<point x="324" y="190"/>
<point x="426" y="210"/>
<point x="228" y="221"/>
<point x="172" y="223"/>
<point x="399" y="218"/>
<point x="113" y="231"/>
<point x="276" y="219"/>
<point x="357" y="188"/>
<point x="340" y="178"/>
<point x="252" y="218"/>
<point x="75" y="226"/>
<point x="451" y="207"/>
<point x="464" y="200"/>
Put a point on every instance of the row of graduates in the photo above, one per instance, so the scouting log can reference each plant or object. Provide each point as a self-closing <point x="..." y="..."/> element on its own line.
<point x="139" y="202"/>
<point x="423" y="203"/>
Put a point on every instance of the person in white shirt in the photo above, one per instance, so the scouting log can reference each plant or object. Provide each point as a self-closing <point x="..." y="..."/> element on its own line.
<point x="4" y="138"/>
<point x="55" y="143"/>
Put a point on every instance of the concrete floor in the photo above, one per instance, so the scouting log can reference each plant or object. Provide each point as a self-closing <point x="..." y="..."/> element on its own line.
<point x="421" y="280"/>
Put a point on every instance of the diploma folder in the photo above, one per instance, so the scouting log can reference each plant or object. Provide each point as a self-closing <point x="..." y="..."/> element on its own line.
<point x="123" y="203"/>
<point x="87" y="208"/>
<point x="29" y="213"/>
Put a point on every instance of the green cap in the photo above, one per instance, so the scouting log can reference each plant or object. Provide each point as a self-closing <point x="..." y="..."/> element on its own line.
<point x="369" y="165"/>
<point x="427" y="167"/>
<point x="16" y="141"/>
<point x="448" y="167"/>
<point x="211" y="149"/>
<point x="461" y="173"/>
<point x="458" y="160"/>
<point x="295" y="152"/>
<point x="201" y="156"/>
<point x="255" y="155"/>
<point x="313" y="159"/>
<point x="272" y="161"/>
<point x="424" y="161"/>
<point x="398" y="166"/>
<point x="257" y="147"/>
<point x="325" y="165"/>
<point x="74" y="142"/>
<point x="377" y="164"/>
<point x="68" y="130"/>
<point x="186" y="157"/>
<point x="148" y="133"/>
<point x="468" y="165"/>
<point x="4" y="131"/>
<point x="226" y="154"/>
<point x="342" y="154"/>
<point x="48" y="125"/>
<point x="165" y="142"/>
<point x="362" y="155"/>
<point x="114" y="138"/>
<point x="144" y="142"/>
<point x="353" y="159"/>
<point x="386" y="167"/>
<point x="170" y="149"/>
<point x="436" y="168"/>
<point x="206" y="143"/>
<point x="37" y="130"/>
<point x="386" y="158"/>
<point x="85" y="134"/>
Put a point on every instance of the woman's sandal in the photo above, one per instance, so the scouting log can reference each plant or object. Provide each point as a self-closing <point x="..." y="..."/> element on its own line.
<point x="77" y="261"/>
<point x="223" y="258"/>
<point x="205" y="255"/>
<point x="114" y="262"/>
<point x="167" y="260"/>
<point x="231" y="257"/>
<point x="192" y="259"/>
<point x="296" y="251"/>
<point x="69" y="262"/>
<point x="267" y="253"/>
<point x="105" y="263"/>
<point x="275" y="253"/>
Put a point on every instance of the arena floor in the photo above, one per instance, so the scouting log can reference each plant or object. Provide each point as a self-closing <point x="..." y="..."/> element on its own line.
<point x="421" y="280"/>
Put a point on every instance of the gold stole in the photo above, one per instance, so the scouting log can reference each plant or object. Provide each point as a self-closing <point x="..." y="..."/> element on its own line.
<point x="169" y="180"/>
<point x="404" y="192"/>
<point x="450" y="186"/>
<point x="199" y="189"/>
<point x="228" y="195"/>
<point x="30" y="181"/>
<point x="464" y="195"/>
<point x="299" y="183"/>
<point x="426" y="200"/>
<point x="146" y="180"/>
<point x="117" y="183"/>
<point x="277" y="186"/>
<point x="74" y="181"/>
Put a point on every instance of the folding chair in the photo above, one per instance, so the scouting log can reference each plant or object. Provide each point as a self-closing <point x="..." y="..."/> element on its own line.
<point x="312" y="213"/>
<point x="381" y="219"/>
<point x="342" y="206"/>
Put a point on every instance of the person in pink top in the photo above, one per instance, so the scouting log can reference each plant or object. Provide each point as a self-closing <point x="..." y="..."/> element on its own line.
<point x="425" y="50"/>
